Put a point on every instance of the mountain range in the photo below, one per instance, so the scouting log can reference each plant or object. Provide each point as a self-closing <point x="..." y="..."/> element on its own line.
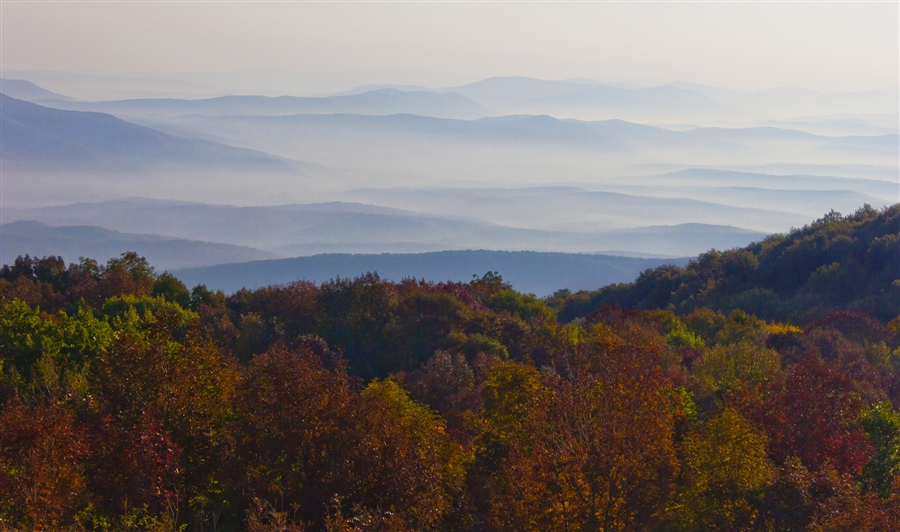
<point x="508" y="164"/>
<point x="292" y="230"/>
<point x="404" y="143"/>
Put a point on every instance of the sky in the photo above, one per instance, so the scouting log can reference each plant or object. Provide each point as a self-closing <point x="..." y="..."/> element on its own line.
<point x="744" y="46"/>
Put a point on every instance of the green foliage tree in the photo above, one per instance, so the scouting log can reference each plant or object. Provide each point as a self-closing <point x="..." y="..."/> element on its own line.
<point x="882" y="424"/>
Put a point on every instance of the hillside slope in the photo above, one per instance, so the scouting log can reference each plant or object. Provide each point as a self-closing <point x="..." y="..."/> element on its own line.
<point x="25" y="90"/>
<point x="837" y="262"/>
<point x="37" y="138"/>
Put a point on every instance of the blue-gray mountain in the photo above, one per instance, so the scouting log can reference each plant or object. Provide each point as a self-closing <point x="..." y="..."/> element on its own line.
<point x="527" y="271"/>
<point x="25" y="90"/>
<point x="353" y="131"/>
<point x="292" y="230"/>
<point x="375" y="102"/>
<point x="37" y="138"/>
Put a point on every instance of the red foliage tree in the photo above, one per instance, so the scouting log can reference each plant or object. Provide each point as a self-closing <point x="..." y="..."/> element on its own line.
<point x="817" y="419"/>
<point x="42" y="478"/>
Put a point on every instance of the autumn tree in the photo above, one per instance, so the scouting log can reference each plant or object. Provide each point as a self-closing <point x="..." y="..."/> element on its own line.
<point x="43" y="482"/>
<point x="290" y="408"/>
<point x="818" y="420"/>
<point x="589" y="448"/>
<point x="726" y="471"/>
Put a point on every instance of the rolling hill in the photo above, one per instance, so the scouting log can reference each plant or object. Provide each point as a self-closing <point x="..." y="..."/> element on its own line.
<point x="538" y="273"/>
<point x="834" y="263"/>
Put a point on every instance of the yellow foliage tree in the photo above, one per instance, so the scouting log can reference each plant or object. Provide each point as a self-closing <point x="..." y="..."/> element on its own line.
<point x="725" y="468"/>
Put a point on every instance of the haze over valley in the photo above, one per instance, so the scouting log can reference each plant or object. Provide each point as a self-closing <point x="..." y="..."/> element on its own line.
<point x="272" y="163"/>
<point x="409" y="171"/>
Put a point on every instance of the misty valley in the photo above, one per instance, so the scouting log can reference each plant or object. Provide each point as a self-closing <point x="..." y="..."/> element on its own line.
<point x="230" y="302"/>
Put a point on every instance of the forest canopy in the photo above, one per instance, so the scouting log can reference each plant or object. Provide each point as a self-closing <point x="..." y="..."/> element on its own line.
<point x="754" y="389"/>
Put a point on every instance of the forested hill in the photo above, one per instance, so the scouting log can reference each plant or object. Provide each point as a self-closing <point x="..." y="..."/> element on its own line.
<point x="835" y="263"/>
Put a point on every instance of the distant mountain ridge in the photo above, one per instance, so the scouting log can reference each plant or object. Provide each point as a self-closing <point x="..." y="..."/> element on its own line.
<point x="293" y="230"/>
<point x="25" y="90"/>
<point x="806" y="202"/>
<point x="577" y="98"/>
<point x="672" y="100"/>
<point x="586" y="101"/>
<point x="592" y="210"/>
<point x="386" y="101"/>
<point x="527" y="271"/>
<point x="71" y="242"/>
<point x="38" y="138"/>
<point x="600" y="136"/>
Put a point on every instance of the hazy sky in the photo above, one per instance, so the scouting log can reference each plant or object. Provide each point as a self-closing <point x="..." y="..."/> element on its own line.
<point x="749" y="46"/>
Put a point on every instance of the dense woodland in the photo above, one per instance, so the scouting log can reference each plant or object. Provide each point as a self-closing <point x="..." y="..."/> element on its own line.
<point x="754" y="389"/>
